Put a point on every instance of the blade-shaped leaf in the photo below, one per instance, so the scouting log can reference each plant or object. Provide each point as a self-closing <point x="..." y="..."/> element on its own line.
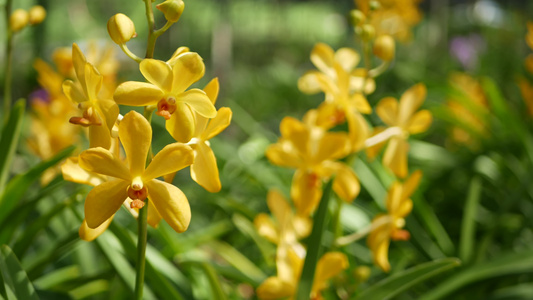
<point x="402" y="281"/>
<point x="466" y="243"/>
<point x="14" y="276"/>
<point x="9" y="139"/>
<point x="17" y="186"/>
<point x="514" y="263"/>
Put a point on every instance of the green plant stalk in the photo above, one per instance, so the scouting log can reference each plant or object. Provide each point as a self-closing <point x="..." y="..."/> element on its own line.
<point x="8" y="62"/>
<point x="130" y="54"/>
<point x="151" y="28"/>
<point x="142" y="235"/>
<point x="315" y="245"/>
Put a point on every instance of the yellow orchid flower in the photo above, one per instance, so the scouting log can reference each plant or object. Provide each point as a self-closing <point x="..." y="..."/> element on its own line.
<point x="49" y="129"/>
<point x="137" y="182"/>
<point x="312" y="152"/>
<point x="167" y="90"/>
<point x="344" y="87"/>
<point x="204" y="170"/>
<point x="98" y="114"/>
<point x="285" y="284"/>
<point x="289" y="228"/>
<point x="394" y="17"/>
<point x="403" y="120"/>
<point x="73" y="172"/>
<point x="388" y="226"/>
<point x="470" y="108"/>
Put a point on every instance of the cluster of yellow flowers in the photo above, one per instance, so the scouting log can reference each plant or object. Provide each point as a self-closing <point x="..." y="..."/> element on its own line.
<point x="316" y="152"/>
<point x="190" y="114"/>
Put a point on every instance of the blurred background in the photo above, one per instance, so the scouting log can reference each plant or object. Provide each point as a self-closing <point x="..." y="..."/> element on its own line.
<point x="477" y="152"/>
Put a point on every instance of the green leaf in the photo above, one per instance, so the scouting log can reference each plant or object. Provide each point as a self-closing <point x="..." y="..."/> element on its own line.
<point x="108" y="244"/>
<point x="426" y="214"/>
<point x="156" y="266"/>
<point x="247" y="227"/>
<point x="513" y="263"/>
<point x="24" y="242"/>
<point x="17" y="186"/>
<point x="466" y="243"/>
<point x="402" y="281"/>
<point x="370" y="182"/>
<point x="216" y="287"/>
<point x="14" y="277"/>
<point x="9" y="140"/>
<point x="314" y="245"/>
<point x="237" y="260"/>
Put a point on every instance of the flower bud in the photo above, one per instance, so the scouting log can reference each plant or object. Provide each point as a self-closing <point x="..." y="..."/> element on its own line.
<point x="172" y="9"/>
<point x="121" y="28"/>
<point x="357" y="17"/>
<point x="368" y="32"/>
<point x="375" y="5"/>
<point x="362" y="273"/>
<point x="37" y="14"/>
<point x="384" y="47"/>
<point x="18" y="20"/>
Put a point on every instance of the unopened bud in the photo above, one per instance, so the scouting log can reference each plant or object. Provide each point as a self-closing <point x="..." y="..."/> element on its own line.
<point x="362" y="273"/>
<point x="384" y="47"/>
<point x="121" y="28"/>
<point x="375" y="5"/>
<point x="368" y="32"/>
<point x="357" y="17"/>
<point x="18" y="19"/>
<point x="172" y="9"/>
<point x="37" y="14"/>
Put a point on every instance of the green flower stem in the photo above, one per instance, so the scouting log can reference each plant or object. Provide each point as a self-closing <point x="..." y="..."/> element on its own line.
<point x="379" y="69"/>
<point x="336" y="221"/>
<point x="8" y="62"/>
<point x="142" y="222"/>
<point x="314" y="248"/>
<point x="151" y="28"/>
<point x="162" y="30"/>
<point x="130" y="54"/>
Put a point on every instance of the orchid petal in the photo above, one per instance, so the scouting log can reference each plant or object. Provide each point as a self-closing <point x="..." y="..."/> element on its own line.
<point x="204" y="170"/>
<point x="171" y="204"/>
<point x="188" y="69"/>
<point x="104" y="200"/>
<point x="101" y="161"/>
<point x="170" y="159"/>
<point x="135" y="134"/>
<point x="157" y="73"/>
<point x="137" y="94"/>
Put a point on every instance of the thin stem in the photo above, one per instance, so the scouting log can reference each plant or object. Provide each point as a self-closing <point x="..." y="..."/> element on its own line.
<point x="379" y="69"/>
<point x="348" y="239"/>
<point x="162" y="30"/>
<point x="130" y="54"/>
<point x="8" y="62"/>
<point x="142" y="222"/>
<point x="151" y="28"/>
<point x="383" y="136"/>
<point x="336" y="220"/>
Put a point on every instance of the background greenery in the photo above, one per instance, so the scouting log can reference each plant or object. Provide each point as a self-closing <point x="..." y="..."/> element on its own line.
<point x="474" y="204"/>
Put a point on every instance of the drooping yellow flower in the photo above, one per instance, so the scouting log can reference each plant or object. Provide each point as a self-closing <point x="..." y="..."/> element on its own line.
<point x="393" y="17"/>
<point x="98" y="114"/>
<point x="288" y="228"/>
<point x="345" y="88"/>
<point x="204" y="170"/>
<point x="468" y="105"/>
<point x="137" y="181"/>
<point x="313" y="151"/>
<point x="167" y="90"/>
<point x="403" y="119"/>
<point x="388" y="226"/>
<point x="286" y="283"/>
<point x="50" y="131"/>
